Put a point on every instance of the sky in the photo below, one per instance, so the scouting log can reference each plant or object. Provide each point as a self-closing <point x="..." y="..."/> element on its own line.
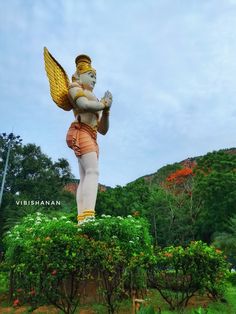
<point x="170" y="65"/>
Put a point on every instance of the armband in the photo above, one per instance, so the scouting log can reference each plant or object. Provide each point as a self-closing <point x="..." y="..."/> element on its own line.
<point x="79" y="94"/>
<point x="74" y="84"/>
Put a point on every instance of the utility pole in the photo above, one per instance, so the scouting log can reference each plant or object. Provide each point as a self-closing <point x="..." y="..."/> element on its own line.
<point x="5" y="172"/>
<point x="10" y="138"/>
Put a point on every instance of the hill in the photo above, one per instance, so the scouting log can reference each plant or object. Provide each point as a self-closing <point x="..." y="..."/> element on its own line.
<point x="73" y="185"/>
<point x="191" y="199"/>
<point x="164" y="171"/>
<point x="153" y="178"/>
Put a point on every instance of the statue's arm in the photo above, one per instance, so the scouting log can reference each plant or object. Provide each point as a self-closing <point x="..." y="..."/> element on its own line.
<point x="103" y="126"/>
<point x="82" y="102"/>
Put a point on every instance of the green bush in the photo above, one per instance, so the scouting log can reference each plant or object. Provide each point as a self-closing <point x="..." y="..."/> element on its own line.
<point x="232" y="278"/>
<point x="178" y="273"/>
<point x="3" y="282"/>
<point x="49" y="258"/>
<point x="129" y="233"/>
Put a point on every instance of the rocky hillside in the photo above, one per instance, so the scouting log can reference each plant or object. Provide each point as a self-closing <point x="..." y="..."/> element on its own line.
<point x="73" y="185"/>
<point x="164" y="171"/>
<point x="153" y="178"/>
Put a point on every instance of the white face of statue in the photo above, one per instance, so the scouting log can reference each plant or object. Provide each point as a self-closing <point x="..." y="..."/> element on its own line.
<point x="88" y="79"/>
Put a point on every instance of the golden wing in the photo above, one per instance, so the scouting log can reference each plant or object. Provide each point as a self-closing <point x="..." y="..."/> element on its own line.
<point x="58" y="81"/>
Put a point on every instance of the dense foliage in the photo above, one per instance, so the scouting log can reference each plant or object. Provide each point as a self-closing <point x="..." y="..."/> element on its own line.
<point x="183" y="202"/>
<point x="50" y="258"/>
<point x="178" y="273"/>
<point x="31" y="176"/>
<point x="215" y="185"/>
<point x="227" y="240"/>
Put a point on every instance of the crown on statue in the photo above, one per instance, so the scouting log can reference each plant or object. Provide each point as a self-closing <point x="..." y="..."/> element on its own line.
<point x="83" y="64"/>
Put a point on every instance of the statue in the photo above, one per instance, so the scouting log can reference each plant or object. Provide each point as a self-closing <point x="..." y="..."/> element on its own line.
<point x="91" y="116"/>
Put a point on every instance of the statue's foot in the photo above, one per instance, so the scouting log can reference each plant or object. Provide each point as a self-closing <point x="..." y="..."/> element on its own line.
<point x="80" y="219"/>
<point x="89" y="215"/>
<point x="86" y="216"/>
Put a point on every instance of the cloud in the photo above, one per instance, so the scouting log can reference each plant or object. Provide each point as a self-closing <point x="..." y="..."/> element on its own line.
<point x="170" y="66"/>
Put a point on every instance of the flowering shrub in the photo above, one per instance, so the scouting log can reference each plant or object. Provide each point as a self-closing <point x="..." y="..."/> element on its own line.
<point x="130" y="234"/>
<point x="49" y="258"/>
<point x="178" y="273"/>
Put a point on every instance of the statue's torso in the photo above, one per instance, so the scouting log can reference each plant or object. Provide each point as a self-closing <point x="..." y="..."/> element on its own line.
<point x="90" y="118"/>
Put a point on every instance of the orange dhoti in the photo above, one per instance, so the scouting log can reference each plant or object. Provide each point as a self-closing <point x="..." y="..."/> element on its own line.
<point x="82" y="139"/>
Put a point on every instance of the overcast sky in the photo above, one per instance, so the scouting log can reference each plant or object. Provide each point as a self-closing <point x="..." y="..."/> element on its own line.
<point x="170" y="65"/>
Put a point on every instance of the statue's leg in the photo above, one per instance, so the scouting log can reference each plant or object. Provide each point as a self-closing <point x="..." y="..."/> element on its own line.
<point x="89" y="163"/>
<point x="79" y="194"/>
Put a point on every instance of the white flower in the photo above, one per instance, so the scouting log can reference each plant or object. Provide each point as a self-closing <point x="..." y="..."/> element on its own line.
<point x="131" y="241"/>
<point x="54" y="218"/>
<point x="68" y="222"/>
<point x="119" y="217"/>
<point x="103" y="215"/>
<point x="63" y="217"/>
<point x="129" y="216"/>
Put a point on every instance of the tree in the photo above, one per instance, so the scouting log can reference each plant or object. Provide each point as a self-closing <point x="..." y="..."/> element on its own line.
<point x="31" y="176"/>
<point x="123" y="201"/>
<point x="182" y="207"/>
<point x="226" y="241"/>
<point x="183" y="202"/>
<point x="215" y="185"/>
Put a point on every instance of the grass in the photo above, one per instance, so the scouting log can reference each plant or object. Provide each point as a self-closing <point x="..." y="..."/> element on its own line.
<point x="225" y="308"/>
